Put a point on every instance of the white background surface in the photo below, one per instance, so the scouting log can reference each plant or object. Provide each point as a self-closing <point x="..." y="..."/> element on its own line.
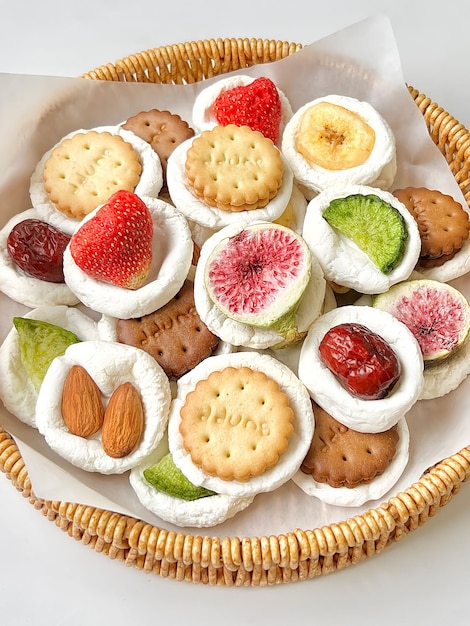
<point x="47" y="577"/>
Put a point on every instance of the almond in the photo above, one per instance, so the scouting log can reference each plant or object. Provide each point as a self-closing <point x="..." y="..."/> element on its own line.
<point x="82" y="408"/>
<point x="123" y="422"/>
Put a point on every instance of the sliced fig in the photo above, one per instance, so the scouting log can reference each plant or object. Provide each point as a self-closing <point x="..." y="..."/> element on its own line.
<point x="259" y="275"/>
<point x="436" y="313"/>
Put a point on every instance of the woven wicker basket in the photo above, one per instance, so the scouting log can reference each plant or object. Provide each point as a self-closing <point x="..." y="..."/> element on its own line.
<point x="296" y="555"/>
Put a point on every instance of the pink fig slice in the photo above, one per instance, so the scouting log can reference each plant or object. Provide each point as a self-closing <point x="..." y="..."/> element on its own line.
<point x="437" y="314"/>
<point x="259" y="275"/>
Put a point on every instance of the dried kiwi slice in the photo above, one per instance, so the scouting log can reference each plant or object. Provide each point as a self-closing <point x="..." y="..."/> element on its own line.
<point x="40" y="342"/>
<point x="374" y="225"/>
<point x="169" y="479"/>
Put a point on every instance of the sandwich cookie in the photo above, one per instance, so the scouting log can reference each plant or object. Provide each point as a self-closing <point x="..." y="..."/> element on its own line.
<point x="240" y="424"/>
<point x="83" y="169"/>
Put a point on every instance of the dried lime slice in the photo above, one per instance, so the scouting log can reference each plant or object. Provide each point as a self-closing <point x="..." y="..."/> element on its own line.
<point x="41" y="342"/>
<point x="374" y="225"/>
<point x="169" y="479"/>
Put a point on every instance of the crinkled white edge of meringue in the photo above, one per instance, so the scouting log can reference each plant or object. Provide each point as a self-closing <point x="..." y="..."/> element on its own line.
<point x="442" y="378"/>
<point x="200" y="513"/>
<point x="341" y="259"/>
<point x="25" y="289"/>
<point x="297" y="201"/>
<point x="356" y="496"/>
<point x="239" y="334"/>
<point x="109" y="364"/>
<point x="369" y="416"/>
<point x="172" y="256"/>
<point x="299" y="442"/>
<point x="379" y="168"/>
<point x="202" y="113"/>
<point x="150" y="183"/>
<point x="198" y="211"/>
<point x="107" y="328"/>
<point x="18" y="393"/>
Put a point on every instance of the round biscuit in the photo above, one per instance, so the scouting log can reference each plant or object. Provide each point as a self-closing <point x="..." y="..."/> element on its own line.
<point x="233" y="168"/>
<point x="299" y="441"/>
<point x="375" y="489"/>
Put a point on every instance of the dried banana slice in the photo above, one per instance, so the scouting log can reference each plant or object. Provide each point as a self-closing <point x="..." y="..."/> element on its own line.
<point x="334" y="137"/>
<point x="339" y="140"/>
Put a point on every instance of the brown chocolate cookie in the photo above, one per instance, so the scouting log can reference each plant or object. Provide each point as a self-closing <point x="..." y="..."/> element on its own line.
<point x="163" y="130"/>
<point x="443" y="223"/>
<point x="174" y="335"/>
<point x="342" y="457"/>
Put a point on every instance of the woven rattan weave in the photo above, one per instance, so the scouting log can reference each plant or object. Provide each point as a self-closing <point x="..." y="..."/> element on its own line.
<point x="296" y="555"/>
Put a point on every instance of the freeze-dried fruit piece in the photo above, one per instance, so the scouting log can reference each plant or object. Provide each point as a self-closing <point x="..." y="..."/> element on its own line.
<point x="259" y="275"/>
<point x="334" y="137"/>
<point x="169" y="479"/>
<point x="37" y="248"/>
<point x="115" y="245"/>
<point x="436" y="313"/>
<point x="256" y="105"/>
<point x="41" y="342"/>
<point x="362" y="361"/>
<point x="373" y="224"/>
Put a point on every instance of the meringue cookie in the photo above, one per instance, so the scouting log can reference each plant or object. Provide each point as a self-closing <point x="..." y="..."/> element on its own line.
<point x="378" y="170"/>
<point x="369" y="416"/>
<point x="201" y="513"/>
<point x="20" y="287"/>
<point x="109" y="364"/>
<point x="172" y="255"/>
<point x="357" y="496"/>
<point x="341" y="259"/>
<point x="203" y="115"/>
<point x="150" y="183"/>
<point x="294" y="214"/>
<point x="442" y="378"/>
<point x="454" y="268"/>
<point x="237" y="333"/>
<point x="196" y="210"/>
<point x="299" y="442"/>
<point x="16" y="389"/>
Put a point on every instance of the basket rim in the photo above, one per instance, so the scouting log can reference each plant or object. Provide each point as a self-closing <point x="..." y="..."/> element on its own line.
<point x="301" y="553"/>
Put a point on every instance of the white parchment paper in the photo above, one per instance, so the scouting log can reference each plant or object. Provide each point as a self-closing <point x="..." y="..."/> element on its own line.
<point x="361" y="61"/>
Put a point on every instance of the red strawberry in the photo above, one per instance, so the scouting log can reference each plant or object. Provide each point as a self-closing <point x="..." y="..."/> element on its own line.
<point x="256" y="105"/>
<point x="115" y="245"/>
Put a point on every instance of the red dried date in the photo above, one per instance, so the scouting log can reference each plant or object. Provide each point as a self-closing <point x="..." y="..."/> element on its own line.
<point x="363" y="362"/>
<point x="37" y="248"/>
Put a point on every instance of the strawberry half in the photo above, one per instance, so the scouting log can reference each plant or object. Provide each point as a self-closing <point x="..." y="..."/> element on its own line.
<point x="115" y="245"/>
<point x="256" y="105"/>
